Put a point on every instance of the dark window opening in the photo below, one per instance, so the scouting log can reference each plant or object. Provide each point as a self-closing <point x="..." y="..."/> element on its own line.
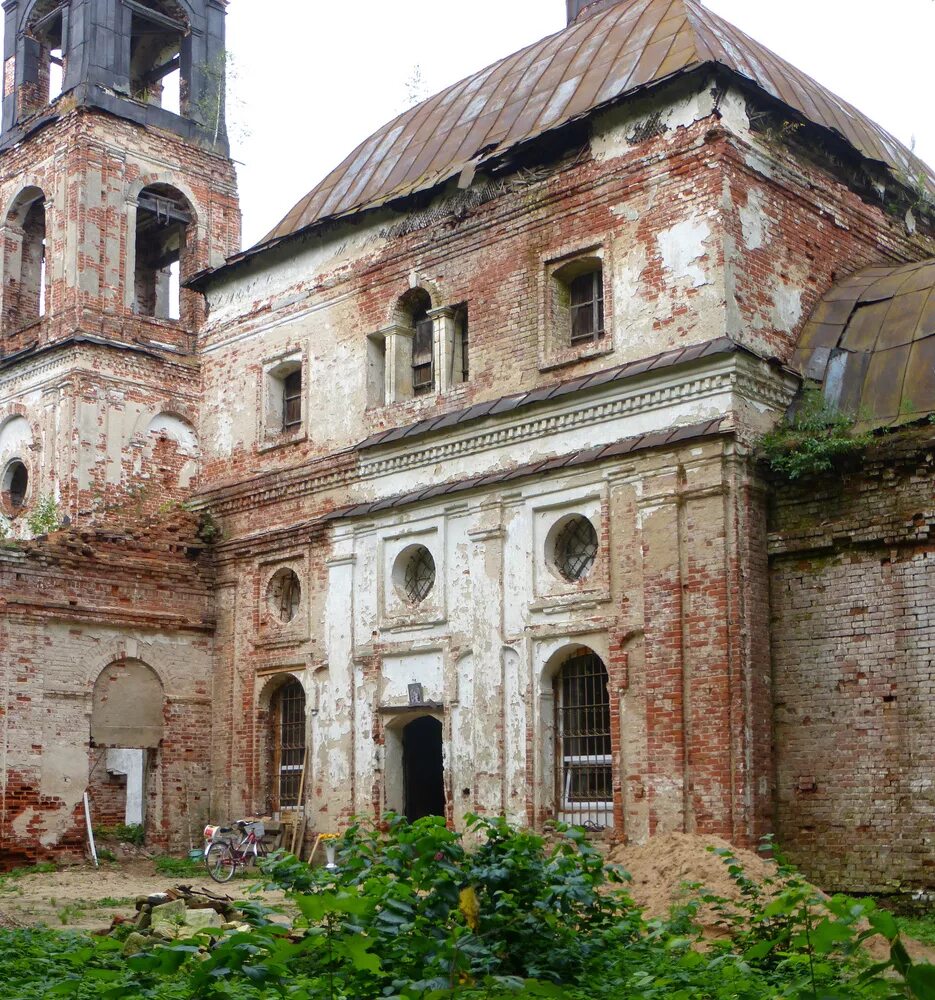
<point x="289" y="715"/>
<point x="156" y="34"/>
<point x="15" y="486"/>
<point x="587" y="306"/>
<point x="292" y="400"/>
<point x="583" y="768"/>
<point x="463" y="341"/>
<point x="423" y="356"/>
<point x="423" y="769"/>
<point x="162" y="222"/>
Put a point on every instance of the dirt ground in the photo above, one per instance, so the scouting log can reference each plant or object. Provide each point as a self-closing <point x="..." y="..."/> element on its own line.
<point x="86" y="898"/>
<point x="661" y="869"/>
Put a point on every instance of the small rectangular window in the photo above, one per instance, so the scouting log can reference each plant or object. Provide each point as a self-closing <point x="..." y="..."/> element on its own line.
<point x="587" y="306"/>
<point x="423" y="350"/>
<point x="292" y="400"/>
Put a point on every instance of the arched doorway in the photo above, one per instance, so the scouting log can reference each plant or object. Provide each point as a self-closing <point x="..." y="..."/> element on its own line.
<point x="583" y="757"/>
<point x="423" y="769"/>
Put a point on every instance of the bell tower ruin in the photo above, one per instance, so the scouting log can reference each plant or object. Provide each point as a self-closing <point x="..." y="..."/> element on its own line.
<point x="117" y="186"/>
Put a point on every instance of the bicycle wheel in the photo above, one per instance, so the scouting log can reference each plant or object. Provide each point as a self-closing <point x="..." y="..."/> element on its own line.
<point x="220" y="862"/>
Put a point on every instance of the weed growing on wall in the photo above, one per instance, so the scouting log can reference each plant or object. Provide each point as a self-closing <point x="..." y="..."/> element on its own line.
<point x="816" y="439"/>
<point x="45" y="516"/>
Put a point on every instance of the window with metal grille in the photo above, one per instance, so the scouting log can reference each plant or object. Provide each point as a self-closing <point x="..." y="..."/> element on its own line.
<point x="575" y="548"/>
<point x="292" y="400"/>
<point x="290" y="742"/>
<point x="587" y="306"/>
<point x="423" y="352"/>
<point x="420" y="575"/>
<point x="583" y="762"/>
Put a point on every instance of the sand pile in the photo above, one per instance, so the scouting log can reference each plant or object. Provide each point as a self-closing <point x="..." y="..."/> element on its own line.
<point x="661" y="867"/>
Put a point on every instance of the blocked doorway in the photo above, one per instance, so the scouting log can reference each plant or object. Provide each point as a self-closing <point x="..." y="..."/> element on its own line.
<point x="127" y="722"/>
<point x="423" y="769"/>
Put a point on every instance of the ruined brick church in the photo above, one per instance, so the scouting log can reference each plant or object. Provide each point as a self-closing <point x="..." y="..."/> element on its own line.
<point x="445" y="497"/>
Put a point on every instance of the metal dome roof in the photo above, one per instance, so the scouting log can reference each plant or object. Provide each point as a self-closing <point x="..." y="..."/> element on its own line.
<point x="871" y="342"/>
<point x="633" y="44"/>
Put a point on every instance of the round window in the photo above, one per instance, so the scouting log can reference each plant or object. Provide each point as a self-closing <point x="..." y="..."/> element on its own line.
<point x="414" y="574"/>
<point x="15" y="485"/>
<point x="573" y="547"/>
<point x="283" y="595"/>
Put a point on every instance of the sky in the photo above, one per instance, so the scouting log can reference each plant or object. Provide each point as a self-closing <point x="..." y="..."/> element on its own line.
<point x="313" y="78"/>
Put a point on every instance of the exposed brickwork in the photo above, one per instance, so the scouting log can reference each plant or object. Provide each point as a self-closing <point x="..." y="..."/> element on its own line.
<point x="853" y="588"/>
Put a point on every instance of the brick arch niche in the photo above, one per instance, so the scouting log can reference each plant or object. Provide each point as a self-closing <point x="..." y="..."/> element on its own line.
<point x="127" y="727"/>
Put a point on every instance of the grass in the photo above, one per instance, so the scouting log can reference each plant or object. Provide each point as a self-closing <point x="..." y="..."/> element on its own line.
<point x="920" y="928"/>
<point x="179" y="867"/>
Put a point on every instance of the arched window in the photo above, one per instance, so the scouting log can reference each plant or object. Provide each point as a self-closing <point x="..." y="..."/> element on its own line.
<point x="163" y="218"/>
<point x="583" y="761"/>
<point x="414" y="313"/>
<point x="288" y="744"/>
<point x="24" y="287"/>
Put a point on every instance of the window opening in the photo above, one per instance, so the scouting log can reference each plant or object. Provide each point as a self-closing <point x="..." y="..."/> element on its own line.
<point x="420" y="575"/>
<point x="156" y="35"/>
<point x="162" y="222"/>
<point x="587" y="306"/>
<point x="25" y="279"/>
<point x="46" y="69"/>
<point x="423" y="769"/>
<point x="461" y="354"/>
<point x="42" y="278"/>
<point x="15" y="485"/>
<point x="576" y="548"/>
<point x="423" y="353"/>
<point x="290" y="743"/>
<point x="284" y="595"/>
<point x="583" y="748"/>
<point x="292" y="400"/>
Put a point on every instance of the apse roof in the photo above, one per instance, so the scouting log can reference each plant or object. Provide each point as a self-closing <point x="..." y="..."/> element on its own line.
<point x="631" y="45"/>
<point x="871" y="342"/>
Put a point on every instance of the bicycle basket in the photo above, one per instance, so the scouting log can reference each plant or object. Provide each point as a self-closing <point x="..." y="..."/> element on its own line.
<point x="256" y="828"/>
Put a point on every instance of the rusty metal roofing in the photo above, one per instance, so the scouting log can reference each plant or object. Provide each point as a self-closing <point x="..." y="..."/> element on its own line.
<point x="871" y="343"/>
<point x="641" y="442"/>
<point x="632" y="45"/>
<point x="505" y="404"/>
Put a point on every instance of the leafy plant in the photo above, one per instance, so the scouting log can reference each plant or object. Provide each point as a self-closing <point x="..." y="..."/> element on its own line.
<point x="45" y="516"/>
<point x="813" y="441"/>
<point x="179" y="867"/>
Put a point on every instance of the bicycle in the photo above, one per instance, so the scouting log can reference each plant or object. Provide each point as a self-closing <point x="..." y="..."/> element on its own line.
<point x="223" y="857"/>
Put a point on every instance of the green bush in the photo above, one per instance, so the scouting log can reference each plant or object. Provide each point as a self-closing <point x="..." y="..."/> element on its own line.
<point x="414" y="914"/>
<point x="817" y="439"/>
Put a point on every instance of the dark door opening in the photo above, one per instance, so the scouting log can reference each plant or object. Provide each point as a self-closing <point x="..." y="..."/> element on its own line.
<point x="423" y="769"/>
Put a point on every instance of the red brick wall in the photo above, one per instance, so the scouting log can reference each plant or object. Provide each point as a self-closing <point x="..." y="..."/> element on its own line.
<point x="852" y="564"/>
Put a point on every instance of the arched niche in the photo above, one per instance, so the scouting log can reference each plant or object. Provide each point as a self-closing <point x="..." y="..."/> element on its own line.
<point x="172" y="442"/>
<point x="128" y="703"/>
<point x="24" y="260"/>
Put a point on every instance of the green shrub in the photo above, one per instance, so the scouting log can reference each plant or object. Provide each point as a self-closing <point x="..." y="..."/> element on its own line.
<point x="815" y="440"/>
<point x="413" y="914"/>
